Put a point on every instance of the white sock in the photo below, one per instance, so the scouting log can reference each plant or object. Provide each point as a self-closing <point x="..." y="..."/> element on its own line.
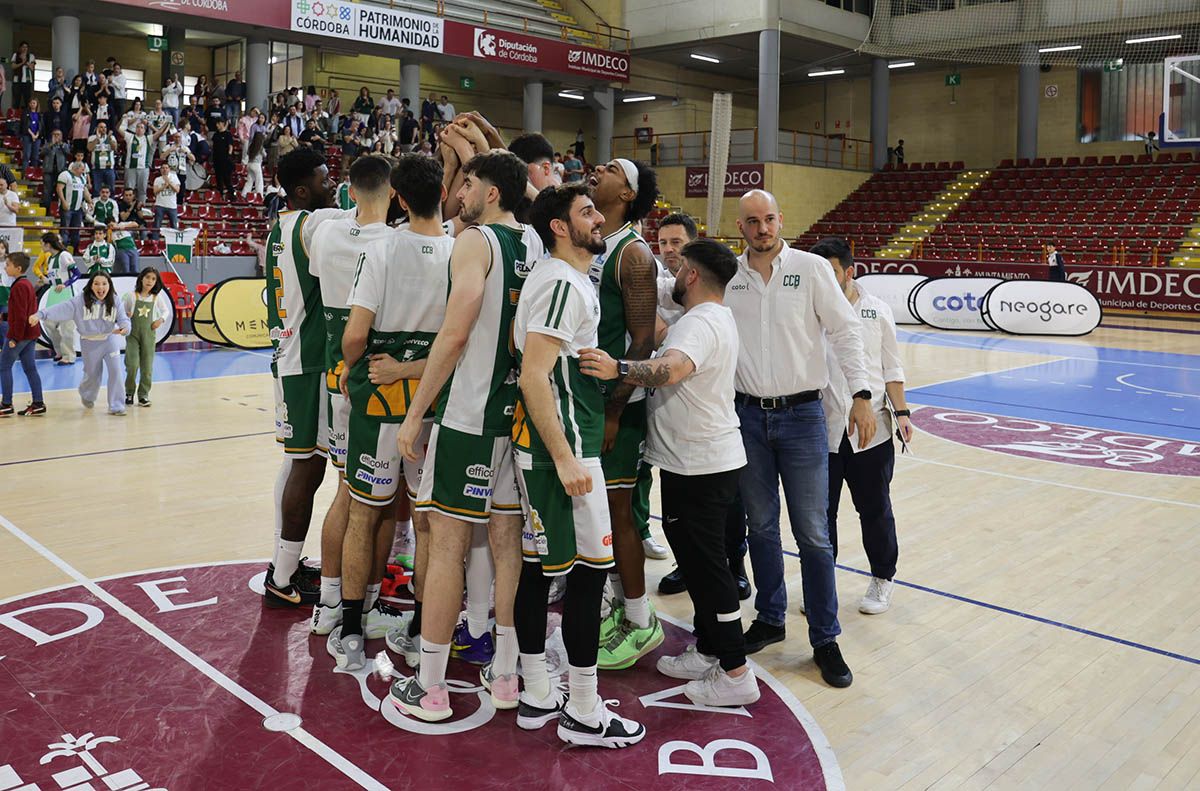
<point x="434" y="657"/>
<point x="480" y="573"/>
<point x="404" y="529"/>
<point x="287" y="560"/>
<point x="331" y="591"/>
<point x="581" y="683"/>
<point x="637" y="611"/>
<point x="285" y="470"/>
<point x="372" y="596"/>
<point x="505" y="661"/>
<point x="537" y="677"/>
<point x="618" y="591"/>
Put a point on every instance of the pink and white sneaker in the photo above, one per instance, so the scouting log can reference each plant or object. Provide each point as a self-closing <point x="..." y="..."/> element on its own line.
<point x="505" y="689"/>
<point x="431" y="705"/>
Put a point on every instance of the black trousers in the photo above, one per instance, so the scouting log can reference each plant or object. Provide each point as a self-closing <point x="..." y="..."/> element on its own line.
<point x="695" y="508"/>
<point x="223" y="170"/>
<point x="868" y="473"/>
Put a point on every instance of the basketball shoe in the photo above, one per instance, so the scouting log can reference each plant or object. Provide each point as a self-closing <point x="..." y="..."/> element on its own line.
<point x="326" y="618"/>
<point x="431" y="705"/>
<point x="347" y="651"/>
<point x="503" y="688"/>
<point x="533" y="713"/>
<point x="718" y="688"/>
<point x="475" y="650"/>
<point x="381" y="619"/>
<point x="598" y="728"/>
<point x="300" y="590"/>
<point x="629" y="643"/>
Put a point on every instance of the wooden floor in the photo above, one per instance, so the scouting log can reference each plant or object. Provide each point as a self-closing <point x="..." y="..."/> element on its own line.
<point x="1045" y="631"/>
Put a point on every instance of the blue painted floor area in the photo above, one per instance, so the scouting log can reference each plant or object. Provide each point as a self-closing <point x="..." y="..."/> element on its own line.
<point x="1096" y="387"/>
<point x="168" y="367"/>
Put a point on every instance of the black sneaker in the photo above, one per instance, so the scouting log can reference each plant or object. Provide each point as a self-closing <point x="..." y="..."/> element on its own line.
<point x="738" y="567"/>
<point x="6" y="410"/>
<point x="834" y="669"/>
<point x="308" y="576"/>
<point x="300" y="590"/>
<point x="128" y="400"/>
<point x="673" y="582"/>
<point x="33" y="410"/>
<point x="143" y="402"/>
<point x="760" y="635"/>
<point x="601" y="728"/>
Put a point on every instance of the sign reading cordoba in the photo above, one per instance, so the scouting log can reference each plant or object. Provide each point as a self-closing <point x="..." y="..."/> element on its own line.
<point x="739" y="179"/>
<point x="368" y="23"/>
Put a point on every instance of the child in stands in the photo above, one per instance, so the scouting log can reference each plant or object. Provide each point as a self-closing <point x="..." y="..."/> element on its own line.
<point x="147" y="311"/>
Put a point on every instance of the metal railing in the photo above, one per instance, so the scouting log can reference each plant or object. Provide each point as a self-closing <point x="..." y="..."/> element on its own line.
<point x="795" y="148"/>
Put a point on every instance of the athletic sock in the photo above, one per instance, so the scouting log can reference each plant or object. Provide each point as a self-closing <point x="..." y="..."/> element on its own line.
<point x="414" y="626"/>
<point x="581" y="682"/>
<point x="331" y="591"/>
<point x="618" y="591"/>
<point x="352" y="612"/>
<point x="505" y="660"/>
<point x="479" y="575"/>
<point x="434" y="658"/>
<point x="287" y="560"/>
<point x="281" y="480"/>
<point x="637" y="611"/>
<point x="537" y="677"/>
<point x="372" y="596"/>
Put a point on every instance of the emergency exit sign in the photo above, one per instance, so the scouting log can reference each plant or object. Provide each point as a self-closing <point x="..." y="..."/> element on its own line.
<point x="466" y="83"/>
<point x="953" y="80"/>
<point x="1114" y="65"/>
<point x="156" y="43"/>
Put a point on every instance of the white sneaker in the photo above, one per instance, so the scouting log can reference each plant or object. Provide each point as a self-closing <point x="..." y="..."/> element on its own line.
<point x="348" y="652"/>
<point x="689" y="665"/>
<point x="326" y="618"/>
<point x="405" y="549"/>
<point x="718" y="688"/>
<point x="598" y="728"/>
<point x="558" y="589"/>
<point x="655" y="550"/>
<point x="533" y="712"/>
<point x="398" y="640"/>
<point x="878" y="597"/>
<point x="381" y="619"/>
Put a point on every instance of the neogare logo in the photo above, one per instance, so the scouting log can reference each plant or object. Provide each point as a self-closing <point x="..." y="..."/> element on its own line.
<point x="1031" y="307"/>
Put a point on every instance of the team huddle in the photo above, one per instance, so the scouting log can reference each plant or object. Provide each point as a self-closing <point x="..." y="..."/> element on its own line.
<point x="444" y="357"/>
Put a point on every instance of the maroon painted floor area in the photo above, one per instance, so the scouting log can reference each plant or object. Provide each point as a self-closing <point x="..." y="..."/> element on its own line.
<point x="179" y="729"/>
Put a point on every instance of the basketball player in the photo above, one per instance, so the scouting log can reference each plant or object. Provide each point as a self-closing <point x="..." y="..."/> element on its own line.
<point x="297" y="329"/>
<point x="337" y="246"/>
<point x="558" y="431"/>
<point x="538" y="155"/>
<point x="398" y="303"/>
<point x="625" y="274"/>
<point x="468" y="477"/>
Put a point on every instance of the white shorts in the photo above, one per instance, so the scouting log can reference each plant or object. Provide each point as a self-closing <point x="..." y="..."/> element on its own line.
<point x="338" y="410"/>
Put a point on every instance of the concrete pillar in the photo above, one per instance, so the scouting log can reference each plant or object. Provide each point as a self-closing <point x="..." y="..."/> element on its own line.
<point x="410" y="85"/>
<point x="602" y="101"/>
<point x="1029" y="90"/>
<point x="531" y="116"/>
<point x="176" y="38"/>
<point x="64" y="42"/>
<point x="7" y="46"/>
<point x="880" y="90"/>
<point x="258" y="72"/>
<point x="768" y="95"/>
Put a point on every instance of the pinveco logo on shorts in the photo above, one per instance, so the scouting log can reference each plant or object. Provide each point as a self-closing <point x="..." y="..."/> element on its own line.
<point x="1034" y="307"/>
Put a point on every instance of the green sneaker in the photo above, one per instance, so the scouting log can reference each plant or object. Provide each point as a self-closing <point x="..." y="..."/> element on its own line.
<point x="629" y="644"/>
<point x="611" y="622"/>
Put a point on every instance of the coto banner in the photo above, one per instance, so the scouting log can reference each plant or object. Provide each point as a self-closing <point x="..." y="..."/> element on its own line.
<point x="952" y="303"/>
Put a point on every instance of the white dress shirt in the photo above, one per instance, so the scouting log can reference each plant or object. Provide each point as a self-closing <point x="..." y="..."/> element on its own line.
<point x="883" y="365"/>
<point x="782" y="323"/>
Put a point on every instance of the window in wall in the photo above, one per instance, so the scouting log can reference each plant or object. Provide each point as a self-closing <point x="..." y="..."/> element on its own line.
<point x="43" y="70"/>
<point x="901" y="7"/>
<point x="287" y="66"/>
<point x="226" y="61"/>
<point x="859" y="6"/>
<point x="135" y="83"/>
<point x="1119" y="105"/>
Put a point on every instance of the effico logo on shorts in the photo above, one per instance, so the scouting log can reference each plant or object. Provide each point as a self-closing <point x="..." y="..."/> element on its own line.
<point x="951" y="303"/>
<point x="1038" y="307"/>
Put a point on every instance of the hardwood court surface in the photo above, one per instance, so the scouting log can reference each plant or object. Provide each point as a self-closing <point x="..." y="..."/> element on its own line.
<point x="1044" y="632"/>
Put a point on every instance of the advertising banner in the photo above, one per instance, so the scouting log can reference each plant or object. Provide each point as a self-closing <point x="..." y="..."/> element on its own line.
<point x="369" y="24"/>
<point x="894" y="290"/>
<point x="1037" y="307"/>
<point x="739" y="179"/>
<point x="266" y="13"/>
<point x="951" y="303"/>
<point x="234" y="313"/>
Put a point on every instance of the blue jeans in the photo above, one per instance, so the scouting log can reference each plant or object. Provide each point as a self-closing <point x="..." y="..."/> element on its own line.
<point x="31" y="151"/>
<point x="172" y="216"/>
<point x="104" y="177"/>
<point x="174" y="113"/>
<point x="790" y="445"/>
<point x="24" y="351"/>
<point x="72" y="220"/>
<point x="126" y="262"/>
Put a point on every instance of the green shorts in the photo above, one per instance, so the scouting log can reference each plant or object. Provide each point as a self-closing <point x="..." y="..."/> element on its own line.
<point x="374" y="467"/>
<point x="621" y="464"/>
<point x="641" y="501"/>
<point x="468" y="476"/>
<point x="301" y="422"/>
<point x="562" y="530"/>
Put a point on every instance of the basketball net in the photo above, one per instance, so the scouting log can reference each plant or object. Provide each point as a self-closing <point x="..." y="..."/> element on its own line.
<point x="718" y="158"/>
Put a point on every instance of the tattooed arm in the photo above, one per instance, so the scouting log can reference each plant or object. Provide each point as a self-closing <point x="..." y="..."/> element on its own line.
<point x="671" y="367"/>
<point x="639" y="293"/>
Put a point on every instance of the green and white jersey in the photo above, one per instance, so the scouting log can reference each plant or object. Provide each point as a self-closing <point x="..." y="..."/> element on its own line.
<point x="481" y="394"/>
<point x="139" y="151"/>
<point x="605" y="274"/>
<point x="74" y="188"/>
<point x="294" y="314"/>
<point x="104" y="154"/>
<point x="560" y="301"/>
<point x="100" y="256"/>
<point x="157" y="120"/>
<point x="343" y="200"/>
<point x="404" y="280"/>
<point x="337" y="248"/>
<point x="105" y="211"/>
<point x="58" y="268"/>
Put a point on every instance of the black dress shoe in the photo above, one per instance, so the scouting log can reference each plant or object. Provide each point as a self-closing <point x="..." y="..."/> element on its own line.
<point x="743" y="586"/>
<point x="673" y="582"/>
<point x="760" y="635"/>
<point x="834" y="669"/>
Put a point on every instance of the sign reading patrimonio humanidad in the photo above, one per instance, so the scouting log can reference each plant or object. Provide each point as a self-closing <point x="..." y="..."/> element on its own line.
<point x="369" y="24"/>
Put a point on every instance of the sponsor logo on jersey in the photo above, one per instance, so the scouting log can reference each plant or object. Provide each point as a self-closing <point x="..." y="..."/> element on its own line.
<point x="480" y="471"/>
<point x="474" y="490"/>
<point x="285" y="430"/>
<point x="277" y="248"/>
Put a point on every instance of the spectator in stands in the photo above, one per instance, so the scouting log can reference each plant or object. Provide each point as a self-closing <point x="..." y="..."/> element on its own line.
<point x="119" y="83"/>
<point x="1151" y="143"/>
<point x="131" y="117"/>
<point x="312" y="137"/>
<point x="390" y="105"/>
<point x="76" y="97"/>
<point x="580" y="145"/>
<point x="218" y="93"/>
<point x="351" y="143"/>
<point x="159" y="125"/>
<point x="108" y="216"/>
<point x="558" y="167"/>
<point x="247" y="126"/>
<point x="171" y="93"/>
<point x="311" y="97"/>
<point x="32" y="133"/>
<point x="166" y="197"/>
<point x="191" y="115"/>
<point x="139" y="153"/>
<point x="102" y="91"/>
<point x="324" y="122"/>
<point x="387" y="136"/>
<point x="54" y="161"/>
<point x="409" y="132"/>
<point x="81" y="128"/>
<point x="222" y="157"/>
<point x="202" y="90"/>
<point x="54" y="119"/>
<point x="572" y="167"/>
<point x="10" y="204"/>
<point x="22" y="65"/>
<point x="335" y="103"/>
<point x="254" y="168"/>
<point x="102" y="112"/>
<point x="73" y="195"/>
<point x="429" y="114"/>
<point x="363" y="105"/>
<point x="279" y="105"/>
<point x="1054" y="260"/>
<point x="91" y="77"/>
<point x="131" y="221"/>
<point x="20" y="339"/>
<point x="177" y="158"/>
<point x="235" y="94"/>
<point x="295" y="122"/>
<point x="103" y="149"/>
<point x="446" y="109"/>
<point x="899" y="151"/>
<point x="274" y="199"/>
<point x="56" y="86"/>
<point x="288" y="142"/>
<point x="216" y="112"/>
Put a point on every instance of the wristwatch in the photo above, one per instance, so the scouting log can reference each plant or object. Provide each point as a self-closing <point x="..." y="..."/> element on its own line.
<point x="903" y="413"/>
<point x="622" y="369"/>
<point x="863" y="394"/>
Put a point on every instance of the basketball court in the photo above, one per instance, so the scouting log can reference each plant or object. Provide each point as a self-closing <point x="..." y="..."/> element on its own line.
<point x="1043" y="632"/>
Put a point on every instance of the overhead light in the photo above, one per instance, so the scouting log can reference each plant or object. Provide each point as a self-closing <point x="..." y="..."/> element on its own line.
<point x="569" y="95"/>
<point x="904" y="64"/>
<point x="1063" y="48"/>
<point x="705" y="58"/>
<point x="1148" y="39"/>
<point x="631" y="99"/>
<point x="827" y="73"/>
